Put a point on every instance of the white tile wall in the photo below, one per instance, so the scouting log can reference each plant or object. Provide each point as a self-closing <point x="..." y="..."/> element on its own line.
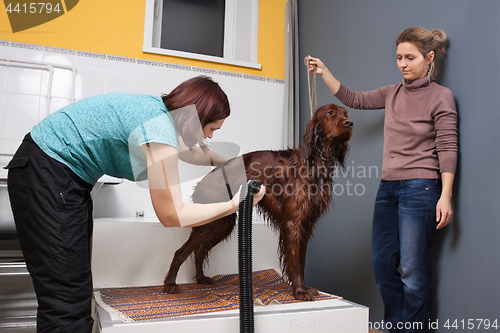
<point x="253" y="99"/>
<point x="233" y="86"/>
<point x="62" y="81"/>
<point x="256" y="106"/>
<point x="89" y="81"/>
<point x="3" y="77"/>
<point x="149" y="79"/>
<point x="173" y="76"/>
<point x="120" y="76"/>
<point x="20" y="115"/>
<point x="21" y="52"/>
<point x="2" y="112"/>
<point x="4" y="50"/>
<point x="24" y="81"/>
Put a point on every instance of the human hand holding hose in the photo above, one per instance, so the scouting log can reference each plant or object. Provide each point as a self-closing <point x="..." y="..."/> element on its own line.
<point x="256" y="198"/>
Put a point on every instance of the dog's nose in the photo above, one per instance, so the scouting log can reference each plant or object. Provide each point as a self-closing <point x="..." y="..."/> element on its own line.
<point x="348" y="123"/>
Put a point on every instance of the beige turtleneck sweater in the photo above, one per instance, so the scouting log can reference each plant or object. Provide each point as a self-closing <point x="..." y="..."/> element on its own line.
<point x="420" y="129"/>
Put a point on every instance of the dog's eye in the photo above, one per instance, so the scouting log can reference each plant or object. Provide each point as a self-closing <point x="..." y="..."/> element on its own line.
<point x="331" y="112"/>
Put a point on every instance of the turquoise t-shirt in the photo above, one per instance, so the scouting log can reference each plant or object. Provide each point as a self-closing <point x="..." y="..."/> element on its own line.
<point x="103" y="134"/>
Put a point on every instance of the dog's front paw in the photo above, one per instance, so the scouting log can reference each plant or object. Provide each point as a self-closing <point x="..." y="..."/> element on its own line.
<point x="204" y="280"/>
<point x="171" y="288"/>
<point x="305" y="293"/>
<point x="312" y="291"/>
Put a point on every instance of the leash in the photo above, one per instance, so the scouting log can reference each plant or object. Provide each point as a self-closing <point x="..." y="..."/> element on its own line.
<point x="312" y="93"/>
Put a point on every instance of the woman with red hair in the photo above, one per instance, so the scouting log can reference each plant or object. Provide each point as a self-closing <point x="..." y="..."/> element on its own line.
<point x="135" y="137"/>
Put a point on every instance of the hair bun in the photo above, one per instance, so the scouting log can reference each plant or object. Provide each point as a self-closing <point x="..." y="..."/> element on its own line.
<point x="439" y="35"/>
<point x="439" y="42"/>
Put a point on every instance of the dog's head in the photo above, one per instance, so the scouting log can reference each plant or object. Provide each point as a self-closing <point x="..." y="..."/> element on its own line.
<point x="327" y="134"/>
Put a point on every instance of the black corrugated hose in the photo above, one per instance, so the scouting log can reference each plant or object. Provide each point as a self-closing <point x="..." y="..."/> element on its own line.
<point x="245" y="256"/>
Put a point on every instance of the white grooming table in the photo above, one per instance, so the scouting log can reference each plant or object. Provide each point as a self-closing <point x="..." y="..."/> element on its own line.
<point x="333" y="315"/>
<point x="137" y="252"/>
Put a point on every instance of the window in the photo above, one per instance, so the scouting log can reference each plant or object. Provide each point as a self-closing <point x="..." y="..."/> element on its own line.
<point x="223" y="31"/>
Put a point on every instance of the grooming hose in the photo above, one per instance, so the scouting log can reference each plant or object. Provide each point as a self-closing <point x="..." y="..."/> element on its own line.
<point x="245" y="256"/>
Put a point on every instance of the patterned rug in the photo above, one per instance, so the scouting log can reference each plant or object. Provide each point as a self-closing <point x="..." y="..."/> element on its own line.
<point x="149" y="303"/>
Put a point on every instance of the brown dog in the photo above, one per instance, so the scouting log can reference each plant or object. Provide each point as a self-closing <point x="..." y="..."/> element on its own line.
<point x="298" y="192"/>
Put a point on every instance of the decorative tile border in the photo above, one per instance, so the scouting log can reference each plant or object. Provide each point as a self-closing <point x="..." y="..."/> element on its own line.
<point x="275" y="80"/>
<point x="59" y="50"/>
<point x="27" y="46"/>
<point x="176" y="66"/>
<point x="254" y="77"/>
<point x="205" y="70"/>
<point x="91" y="55"/>
<point x="150" y="63"/>
<point x="124" y="59"/>
<point x="237" y="75"/>
<point x="138" y="61"/>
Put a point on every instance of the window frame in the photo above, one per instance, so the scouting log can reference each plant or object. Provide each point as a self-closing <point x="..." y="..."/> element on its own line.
<point x="231" y="38"/>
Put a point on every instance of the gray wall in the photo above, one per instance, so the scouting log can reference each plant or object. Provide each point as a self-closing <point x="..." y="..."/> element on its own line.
<point x="355" y="39"/>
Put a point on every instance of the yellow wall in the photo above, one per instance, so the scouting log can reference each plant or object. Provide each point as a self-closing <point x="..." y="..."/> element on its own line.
<point x="116" y="27"/>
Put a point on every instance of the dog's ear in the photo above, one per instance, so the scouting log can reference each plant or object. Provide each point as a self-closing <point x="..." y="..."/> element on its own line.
<point x="309" y="143"/>
<point x="305" y="150"/>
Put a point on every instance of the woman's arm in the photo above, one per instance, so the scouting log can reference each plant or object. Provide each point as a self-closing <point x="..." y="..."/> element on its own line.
<point x="366" y="100"/>
<point x="198" y="156"/>
<point x="444" y="211"/>
<point x="446" y="128"/>
<point x="165" y="191"/>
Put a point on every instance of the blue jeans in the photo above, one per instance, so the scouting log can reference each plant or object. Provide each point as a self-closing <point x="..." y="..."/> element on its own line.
<point x="404" y="221"/>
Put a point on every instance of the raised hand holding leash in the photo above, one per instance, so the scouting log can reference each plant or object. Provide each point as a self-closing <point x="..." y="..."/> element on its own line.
<point x="312" y="94"/>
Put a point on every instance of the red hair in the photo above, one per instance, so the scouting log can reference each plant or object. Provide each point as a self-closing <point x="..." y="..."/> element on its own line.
<point x="211" y="104"/>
